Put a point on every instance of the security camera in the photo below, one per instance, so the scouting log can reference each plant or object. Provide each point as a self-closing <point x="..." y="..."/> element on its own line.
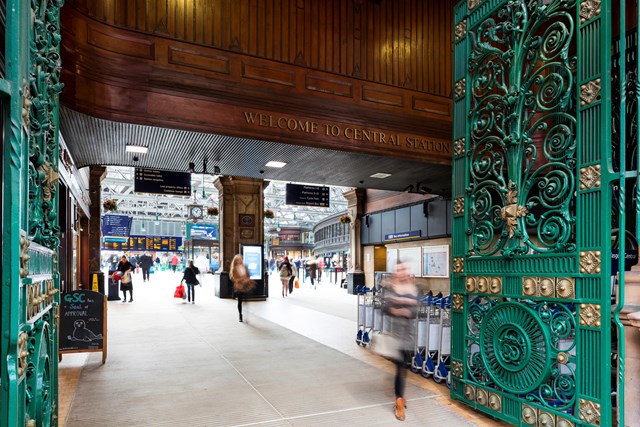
<point x="135" y="158"/>
<point x="216" y="170"/>
<point x="261" y="172"/>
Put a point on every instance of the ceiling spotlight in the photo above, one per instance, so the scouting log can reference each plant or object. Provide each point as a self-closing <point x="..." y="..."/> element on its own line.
<point x="274" y="164"/>
<point x="137" y="149"/>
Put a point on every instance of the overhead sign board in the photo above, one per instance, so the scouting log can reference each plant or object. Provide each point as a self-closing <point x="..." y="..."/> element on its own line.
<point x="145" y="243"/>
<point x="116" y="225"/>
<point x="162" y="182"/>
<point x="307" y="195"/>
<point x="404" y="235"/>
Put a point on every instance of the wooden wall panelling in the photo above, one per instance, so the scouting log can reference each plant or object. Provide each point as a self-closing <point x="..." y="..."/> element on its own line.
<point x="403" y="43"/>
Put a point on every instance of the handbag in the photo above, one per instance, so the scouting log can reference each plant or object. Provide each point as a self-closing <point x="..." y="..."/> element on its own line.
<point x="388" y="346"/>
<point x="179" y="293"/>
<point x="296" y="283"/>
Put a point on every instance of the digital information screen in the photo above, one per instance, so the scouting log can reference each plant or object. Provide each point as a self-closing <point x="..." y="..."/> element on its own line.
<point x="116" y="225"/>
<point x="162" y="182"/>
<point x="252" y="255"/>
<point x="307" y="195"/>
<point x="145" y="243"/>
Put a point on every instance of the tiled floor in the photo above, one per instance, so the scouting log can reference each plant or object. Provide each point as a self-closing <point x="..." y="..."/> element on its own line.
<point x="293" y="363"/>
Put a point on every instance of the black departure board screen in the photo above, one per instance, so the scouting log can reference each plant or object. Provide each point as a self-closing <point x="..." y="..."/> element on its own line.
<point x="307" y="195"/>
<point x="162" y="182"/>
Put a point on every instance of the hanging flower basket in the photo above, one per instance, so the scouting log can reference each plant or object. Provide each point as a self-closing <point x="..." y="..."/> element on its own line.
<point x="212" y="211"/>
<point x="110" y="205"/>
<point x="345" y="219"/>
<point x="268" y="214"/>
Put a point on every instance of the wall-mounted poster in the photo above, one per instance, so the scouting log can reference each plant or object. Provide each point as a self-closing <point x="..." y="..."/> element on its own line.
<point x="435" y="261"/>
<point x="410" y="257"/>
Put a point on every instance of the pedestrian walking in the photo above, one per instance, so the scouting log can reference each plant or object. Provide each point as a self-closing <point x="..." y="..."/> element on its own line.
<point x="286" y="271"/>
<point x="126" y="284"/>
<point x="190" y="277"/>
<point x="174" y="262"/>
<point x="145" y="262"/>
<point x="242" y="283"/>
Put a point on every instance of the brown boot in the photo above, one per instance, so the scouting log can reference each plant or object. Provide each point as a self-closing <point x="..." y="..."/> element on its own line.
<point x="400" y="405"/>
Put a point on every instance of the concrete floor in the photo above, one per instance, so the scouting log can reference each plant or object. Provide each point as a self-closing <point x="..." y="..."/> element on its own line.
<point x="293" y="363"/>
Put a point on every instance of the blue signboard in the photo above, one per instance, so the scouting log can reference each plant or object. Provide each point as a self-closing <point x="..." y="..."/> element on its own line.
<point x="116" y="225"/>
<point x="403" y="235"/>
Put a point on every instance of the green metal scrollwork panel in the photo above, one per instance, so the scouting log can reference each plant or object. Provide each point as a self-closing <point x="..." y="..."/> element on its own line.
<point x="28" y="322"/>
<point x="527" y="246"/>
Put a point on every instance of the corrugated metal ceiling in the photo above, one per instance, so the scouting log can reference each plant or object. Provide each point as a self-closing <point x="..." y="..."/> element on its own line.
<point x="94" y="141"/>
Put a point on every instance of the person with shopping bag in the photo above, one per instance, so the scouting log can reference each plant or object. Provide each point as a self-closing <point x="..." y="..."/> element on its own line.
<point x="190" y="277"/>
<point x="126" y="284"/>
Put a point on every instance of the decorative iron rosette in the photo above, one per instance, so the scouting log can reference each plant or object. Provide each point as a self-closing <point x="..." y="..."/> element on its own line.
<point x="514" y="344"/>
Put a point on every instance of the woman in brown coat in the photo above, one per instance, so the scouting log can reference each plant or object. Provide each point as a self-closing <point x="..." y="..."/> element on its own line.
<point x="242" y="284"/>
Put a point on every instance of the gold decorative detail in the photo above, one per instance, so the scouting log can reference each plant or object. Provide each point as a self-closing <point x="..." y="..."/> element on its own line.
<point x="482" y="285"/>
<point x="26" y="104"/>
<point x="34" y="299"/>
<point x="563" y="358"/>
<point x="459" y="147"/>
<point x="24" y="256"/>
<point x="545" y="419"/>
<point x="458" y="302"/>
<point x="590" y="262"/>
<point x="495" y="285"/>
<point x="50" y="291"/>
<point x="460" y="88"/>
<point x="472" y="3"/>
<point x="458" y="265"/>
<point x="529" y="415"/>
<point x="482" y="397"/>
<point x="495" y="402"/>
<point x="590" y="177"/>
<point x="590" y="315"/>
<point x="461" y="29"/>
<point x="512" y="211"/>
<point x="456" y="369"/>
<point x="561" y="422"/>
<point x="589" y="92"/>
<point x="470" y="393"/>
<point x="22" y="352"/>
<point x="589" y="9"/>
<point x="458" y="206"/>
<point x="471" y="284"/>
<point x="529" y="286"/>
<point x="547" y="287"/>
<point x="565" y="288"/>
<point x="49" y="181"/>
<point x="589" y="411"/>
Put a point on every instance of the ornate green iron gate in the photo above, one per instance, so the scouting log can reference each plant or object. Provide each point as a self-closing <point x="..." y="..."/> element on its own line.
<point x="531" y="284"/>
<point x="29" y="89"/>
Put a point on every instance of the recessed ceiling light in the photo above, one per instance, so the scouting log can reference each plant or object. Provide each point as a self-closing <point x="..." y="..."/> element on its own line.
<point x="380" y="175"/>
<point x="137" y="149"/>
<point x="274" y="164"/>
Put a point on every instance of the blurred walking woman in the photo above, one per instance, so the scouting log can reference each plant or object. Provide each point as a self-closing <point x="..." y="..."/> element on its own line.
<point x="400" y="302"/>
<point x="242" y="283"/>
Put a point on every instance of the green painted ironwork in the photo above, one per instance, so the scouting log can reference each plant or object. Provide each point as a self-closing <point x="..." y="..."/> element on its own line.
<point x="531" y="239"/>
<point x="29" y="91"/>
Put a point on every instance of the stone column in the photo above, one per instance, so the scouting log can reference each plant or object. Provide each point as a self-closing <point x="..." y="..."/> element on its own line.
<point x="355" y="209"/>
<point x="96" y="175"/>
<point x="241" y="202"/>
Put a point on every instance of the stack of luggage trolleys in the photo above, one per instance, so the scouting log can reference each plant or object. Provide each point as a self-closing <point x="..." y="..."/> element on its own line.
<point x="432" y="333"/>
<point x="369" y="313"/>
<point x="433" y="338"/>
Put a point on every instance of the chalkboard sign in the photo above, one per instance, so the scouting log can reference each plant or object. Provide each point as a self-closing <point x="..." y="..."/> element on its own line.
<point x="83" y="323"/>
